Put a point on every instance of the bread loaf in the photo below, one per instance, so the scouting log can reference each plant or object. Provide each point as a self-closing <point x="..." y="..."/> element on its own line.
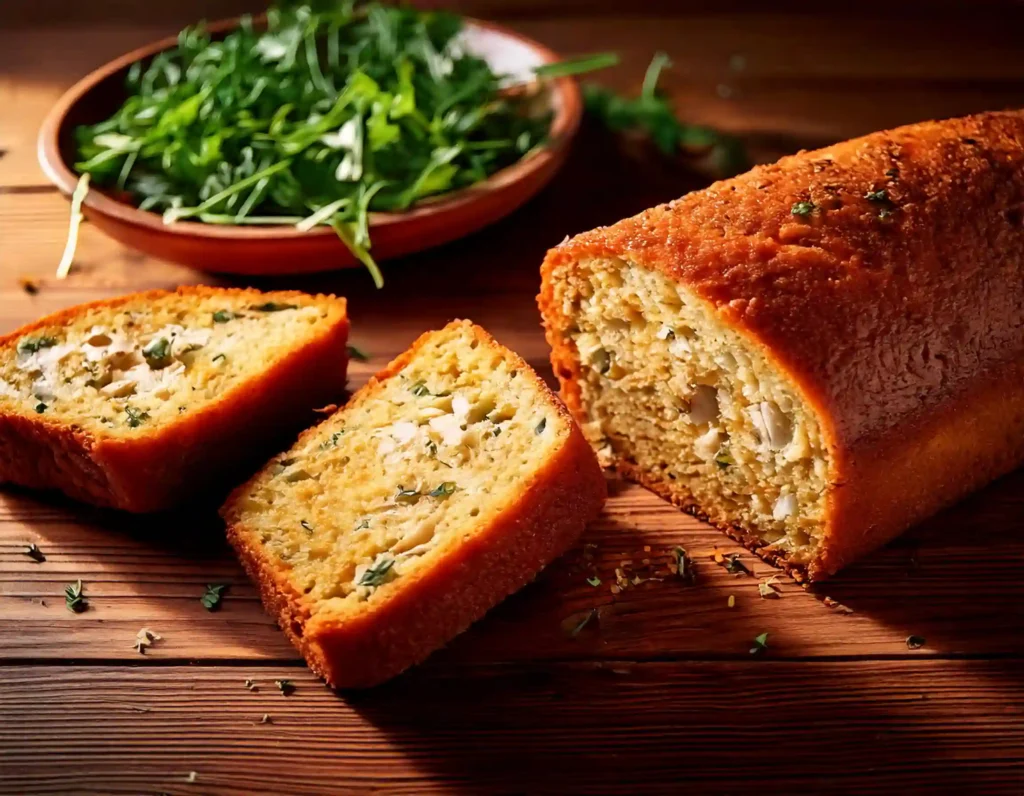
<point x="146" y="401"/>
<point x="818" y="353"/>
<point x="443" y="486"/>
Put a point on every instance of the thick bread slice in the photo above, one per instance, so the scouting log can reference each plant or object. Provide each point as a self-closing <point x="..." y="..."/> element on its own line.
<point x="443" y="486"/>
<point x="818" y="353"/>
<point x="143" y="402"/>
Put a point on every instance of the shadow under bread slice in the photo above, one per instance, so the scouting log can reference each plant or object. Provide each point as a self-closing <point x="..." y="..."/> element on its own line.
<point x="443" y="486"/>
<point x="147" y="401"/>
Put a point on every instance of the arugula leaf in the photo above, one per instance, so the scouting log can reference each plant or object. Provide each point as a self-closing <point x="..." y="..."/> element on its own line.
<point x="211" y="597"/>
<point x="73" y="598"/>
<point x="760" y="644"/>
<point x="378" y="572"/>
<point x="135" y="417"/>
<point x="576" y="66"/>
<point x="443" y="491"/>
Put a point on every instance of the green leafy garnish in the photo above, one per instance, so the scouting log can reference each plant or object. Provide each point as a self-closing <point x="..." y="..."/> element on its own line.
<point x="419" y="389"/>
<point x="331" y="112"/>
<point x="803" y="209"/>
<point x="223" y="316"/>
<point x="135" y="417"/>
<point x="877" y="196"/>
<point x="594" y="581"/>
<point x="358" y="354"/>
<point x="333" y="441"/>
<point x="35" y="554"/>
<point x="407" y="497"/>
<point x="724" y="459"/>
<point x="651" y="113"/>
<point x="157" y="353"/>
<point x="443" y="491"/>
<point x="915" y="642"/>
<point x="273" y="306"/>
<point x="760" y="644"/>
<point x="29" y="345"/>
<point x="577" y="66"/>
<point x="734" y="566"/>
<point x="75" y="222"/>
<point x="286" y="687"/>
<point x="73" y="598"/>
<point x="211" y="597"/>
<point x="377" y="573"/>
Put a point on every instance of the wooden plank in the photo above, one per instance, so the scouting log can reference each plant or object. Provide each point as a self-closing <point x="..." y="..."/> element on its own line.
<point x="955" y="581"/>
<point x="622" y="727"/>
<point x="805" y="79"/>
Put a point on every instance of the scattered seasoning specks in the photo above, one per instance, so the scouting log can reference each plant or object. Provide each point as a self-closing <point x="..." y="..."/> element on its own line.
<point x="35" y="554"/>
<point x="760" y="644"/>
<point x="73" y="598"/>
<point x="803" y="209"/>
<point x="358" y="354"/>
<point x="145" y="638"/>
<point x="211" y="598"/>
<point x="285" y="687"/>
<point x="915" y="642"/>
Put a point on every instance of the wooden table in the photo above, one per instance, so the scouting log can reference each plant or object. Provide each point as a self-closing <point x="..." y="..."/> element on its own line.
<point x="661" y="693"/>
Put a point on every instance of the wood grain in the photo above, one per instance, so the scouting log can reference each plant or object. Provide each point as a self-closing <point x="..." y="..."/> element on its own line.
<point x="606" y="728"/>
<point x="659" y="693"/>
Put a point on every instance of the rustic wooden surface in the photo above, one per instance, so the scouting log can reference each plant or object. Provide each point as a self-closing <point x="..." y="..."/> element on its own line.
<point x="660" y="692"/>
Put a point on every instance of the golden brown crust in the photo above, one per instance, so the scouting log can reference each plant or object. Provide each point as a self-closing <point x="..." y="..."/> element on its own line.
<point x="206" y="448"/>
<point x="896" y="315"/>
<point x="439" y="601"/>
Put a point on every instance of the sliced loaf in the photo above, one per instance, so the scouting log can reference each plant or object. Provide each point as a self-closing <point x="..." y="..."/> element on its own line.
<point x="444" y="485"/>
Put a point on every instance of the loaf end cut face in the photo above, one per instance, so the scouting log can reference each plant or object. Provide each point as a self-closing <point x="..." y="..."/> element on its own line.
<point x="443" y="486"/>
<point x="818" y="353"/>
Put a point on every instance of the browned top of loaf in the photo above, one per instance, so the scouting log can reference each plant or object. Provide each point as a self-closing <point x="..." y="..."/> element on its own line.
<point x="878" y="309"/>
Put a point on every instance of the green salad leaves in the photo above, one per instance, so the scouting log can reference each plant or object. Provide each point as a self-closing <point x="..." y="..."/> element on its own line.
<point x="325" y="115"/>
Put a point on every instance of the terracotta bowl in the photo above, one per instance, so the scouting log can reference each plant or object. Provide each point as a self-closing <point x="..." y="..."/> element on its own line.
<point x="285" y="250"/>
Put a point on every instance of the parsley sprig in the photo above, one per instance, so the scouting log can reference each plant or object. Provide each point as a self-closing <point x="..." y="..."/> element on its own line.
<point x="331" y="112"/>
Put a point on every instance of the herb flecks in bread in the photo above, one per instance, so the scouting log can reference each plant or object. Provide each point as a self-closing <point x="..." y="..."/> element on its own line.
<point x="437" y="483"/>
<point x="142" y="401"/>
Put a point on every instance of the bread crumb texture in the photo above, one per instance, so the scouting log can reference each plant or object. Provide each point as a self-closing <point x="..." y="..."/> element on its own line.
<point x="419" y="462"/>
<point x="670" y="389"/>
<point x="122" y="368"/>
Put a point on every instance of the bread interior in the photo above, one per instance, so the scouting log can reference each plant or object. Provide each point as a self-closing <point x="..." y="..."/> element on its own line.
<point x="412" y="467"/>
<point x="671" y="390"/>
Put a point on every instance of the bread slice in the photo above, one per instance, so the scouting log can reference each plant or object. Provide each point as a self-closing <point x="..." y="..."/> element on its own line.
<point x="145" y="401"/>
<point x="443" y="486"/>
<point x="818" y="353"/>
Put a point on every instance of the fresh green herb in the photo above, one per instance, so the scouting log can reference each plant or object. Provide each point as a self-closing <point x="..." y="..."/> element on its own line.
<point x="333" y="441"/>
<point x="601" y="360"/>
<point x="377" y="573"/>
<point x="212" y="595"/>
<point x="219" y="358"/>
<point x="724" y="459"/>
<point x="29" y="345"/>
<point x="73" y="598"/>
<point x="877" y="196"/>
<point x="594" y="581"/>
<point x="651" y="113"/>
<point x="358" y="354"/>
<point x="406" y="497"/>
<point x="760" y="644"/>
<point x="881" y="197"/>
<point x="331" y="112"/>
<point x="734" y="566"/>
<point x="915" y="642"/>
<point x="419" y="389"/>
<point x="803" y="209"/>
<point x="135" y="417"/>
<point x="443" y="491"/>
<point x="40" y="408"/>
<point x="157" y="353"/>
<point x="684" y="566"/>
<point x="541" y="426"/>
<point x="35" y="554"/>
<point x="223" y="316"/>
<point x="74" y="224"/>
<point x="307" y="526"/>
<point x="589" y="617"/>
<point x="576" y="66"/>
<point x="286" y="687"/>
<point x="362" y="526"/>
<point x="273" y="306"/>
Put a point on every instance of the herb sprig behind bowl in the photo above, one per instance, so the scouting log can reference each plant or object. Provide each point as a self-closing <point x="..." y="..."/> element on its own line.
<point x="318" y="119"/>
